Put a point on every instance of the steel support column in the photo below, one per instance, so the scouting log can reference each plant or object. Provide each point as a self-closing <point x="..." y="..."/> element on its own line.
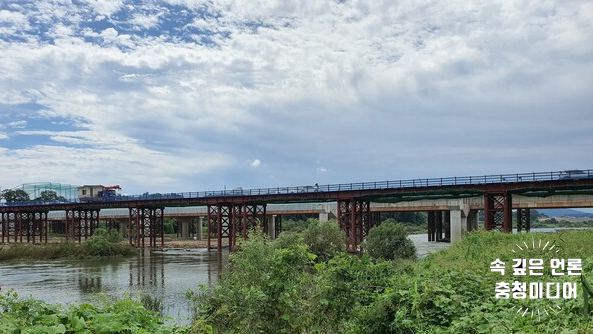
<point x="523" y="220"/>
<point x="28" y="224"/>
<point x="146" y="222"/>
<point x="447" y="225"/>
<point x="233" y="220"/>
<point x="431" y="217"/>
<point x="81" y="223"/>
<point x="277" y="225"/>
<point x="438" y="225"/>
<point x="10" y="226"/>
<point x="35" y="225"/>
<point x="354" y="217"/>
<point x="498" y="211"/>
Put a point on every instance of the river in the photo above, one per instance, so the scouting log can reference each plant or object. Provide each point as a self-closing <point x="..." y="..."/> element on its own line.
<point x="166" y="275"/>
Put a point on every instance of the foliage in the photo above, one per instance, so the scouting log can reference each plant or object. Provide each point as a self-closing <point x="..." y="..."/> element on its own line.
<point x="15" y="195"/>
<point x="324" y="239"/>
<point x="154" y="304"/>
<point x="295" y="225"/>
<point x="170" y="226"/>
<point x="103" y="243"/>
<point x="389" y="241"/>
<point x="262" y="290"/>
<point x="49" y="195"/>
<point x="29" y="316"/>
<point x="277" y="287"/>
<point x="111" y="235"/>
<point x="406" y="218"/>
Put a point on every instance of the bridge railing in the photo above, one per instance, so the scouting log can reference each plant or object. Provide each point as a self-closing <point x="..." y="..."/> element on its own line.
<point x="399" y="184"/>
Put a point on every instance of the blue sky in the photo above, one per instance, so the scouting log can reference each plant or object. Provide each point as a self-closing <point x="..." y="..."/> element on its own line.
<point x="185" y="95"/>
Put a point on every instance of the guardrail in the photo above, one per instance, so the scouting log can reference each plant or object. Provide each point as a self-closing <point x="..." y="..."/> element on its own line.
<point x="399" y="184"/>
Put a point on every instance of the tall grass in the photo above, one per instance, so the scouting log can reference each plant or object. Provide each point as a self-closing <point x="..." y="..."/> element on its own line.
<point x="62" y="250"/>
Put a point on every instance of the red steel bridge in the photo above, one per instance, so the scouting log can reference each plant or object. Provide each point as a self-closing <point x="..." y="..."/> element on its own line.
<point x="231" y="213"/>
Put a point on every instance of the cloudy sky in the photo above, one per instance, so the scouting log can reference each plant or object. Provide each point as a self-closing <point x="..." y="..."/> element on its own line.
<point x="188" y="95"/>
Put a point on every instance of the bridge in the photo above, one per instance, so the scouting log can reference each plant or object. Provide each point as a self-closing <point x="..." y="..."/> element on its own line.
<point x="452" y="204"/>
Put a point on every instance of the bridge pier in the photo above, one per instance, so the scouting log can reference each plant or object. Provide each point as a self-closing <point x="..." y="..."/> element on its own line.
<point x="81" y="223"/>
<point x="146" y="222"/>
<point x="29" y="224"/>
<point x="523" y="220"/>
<point x="458" y="225"/>
<point x="498" y="211"/>
<point x="199" y="228"/>
<point x="232" y="220"/>
<point x="354" y="217"/>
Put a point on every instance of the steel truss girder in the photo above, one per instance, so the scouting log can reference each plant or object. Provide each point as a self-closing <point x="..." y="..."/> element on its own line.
<point x="81" y="223"/>
<point x="29" y="224"/>
<point x="233" y="220"/>
<point x="498" y="211"/>
<point x="523" y="220"/>
<point x="354" y="218"/>
<point x="146" y="222"/>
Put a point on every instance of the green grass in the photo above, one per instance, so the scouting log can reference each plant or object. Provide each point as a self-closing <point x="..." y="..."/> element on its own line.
<point x="60" y="250"/>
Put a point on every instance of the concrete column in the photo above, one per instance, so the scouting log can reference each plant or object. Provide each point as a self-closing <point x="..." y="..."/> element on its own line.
<point x="123" y="227"/>
<point x="323" y="217"/>
<point x="472" y="220"/>
<point x="184" y="229"/>
<point x="199" y="228"/>
<point x="459" y="221"/>
<point x="272" y="226"/>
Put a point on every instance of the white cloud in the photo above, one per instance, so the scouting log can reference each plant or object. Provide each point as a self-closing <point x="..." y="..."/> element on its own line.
<point x="372" y="89"/>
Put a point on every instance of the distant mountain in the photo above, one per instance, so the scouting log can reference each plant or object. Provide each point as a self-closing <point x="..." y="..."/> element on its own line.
<point x="554" y="213"/>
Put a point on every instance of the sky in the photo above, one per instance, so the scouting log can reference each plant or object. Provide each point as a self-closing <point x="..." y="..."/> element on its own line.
<point x="187" y="95"/>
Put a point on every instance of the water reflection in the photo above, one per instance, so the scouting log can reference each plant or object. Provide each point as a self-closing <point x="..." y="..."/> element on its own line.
<point x="167" y="275"/>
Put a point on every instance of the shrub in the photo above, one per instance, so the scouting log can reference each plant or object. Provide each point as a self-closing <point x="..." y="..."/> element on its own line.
<point x="286" y="239"/>
<point x="111" y="235"/>
<point x="97" y="246"/>
<point x="389" y="241"/>
<point x="324" y="239"/>
<point x="260" y="291"/>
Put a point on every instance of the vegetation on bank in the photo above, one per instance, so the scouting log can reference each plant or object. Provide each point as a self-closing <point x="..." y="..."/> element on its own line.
<point x="284" y="287"/>
<point x="102" y="243"/>
<point x="28" y="316"/>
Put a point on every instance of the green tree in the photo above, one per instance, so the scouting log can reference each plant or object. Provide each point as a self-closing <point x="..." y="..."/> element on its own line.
<point x="18" y="195"/>
<point x="389" y="241"/>
<point x="49" y="195"/>
<point x="170" y="226"/>
<point x="324" y="239"/>
<point x="412" y="218"/>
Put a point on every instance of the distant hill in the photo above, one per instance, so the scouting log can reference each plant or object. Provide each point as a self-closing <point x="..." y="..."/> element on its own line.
<point x="554" y="213"/>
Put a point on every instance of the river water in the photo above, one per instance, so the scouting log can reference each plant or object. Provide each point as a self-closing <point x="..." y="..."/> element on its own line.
<point x="166" y="275"/>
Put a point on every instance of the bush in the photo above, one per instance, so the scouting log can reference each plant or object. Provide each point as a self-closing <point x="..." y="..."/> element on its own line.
<point x="111" y="235"/>
<point x="97" y="246"/>
<point x="324" y="239"/>
<point x="389" y="241"/>
<point x="261" y="290"/>
<point x="287" y="239"/>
